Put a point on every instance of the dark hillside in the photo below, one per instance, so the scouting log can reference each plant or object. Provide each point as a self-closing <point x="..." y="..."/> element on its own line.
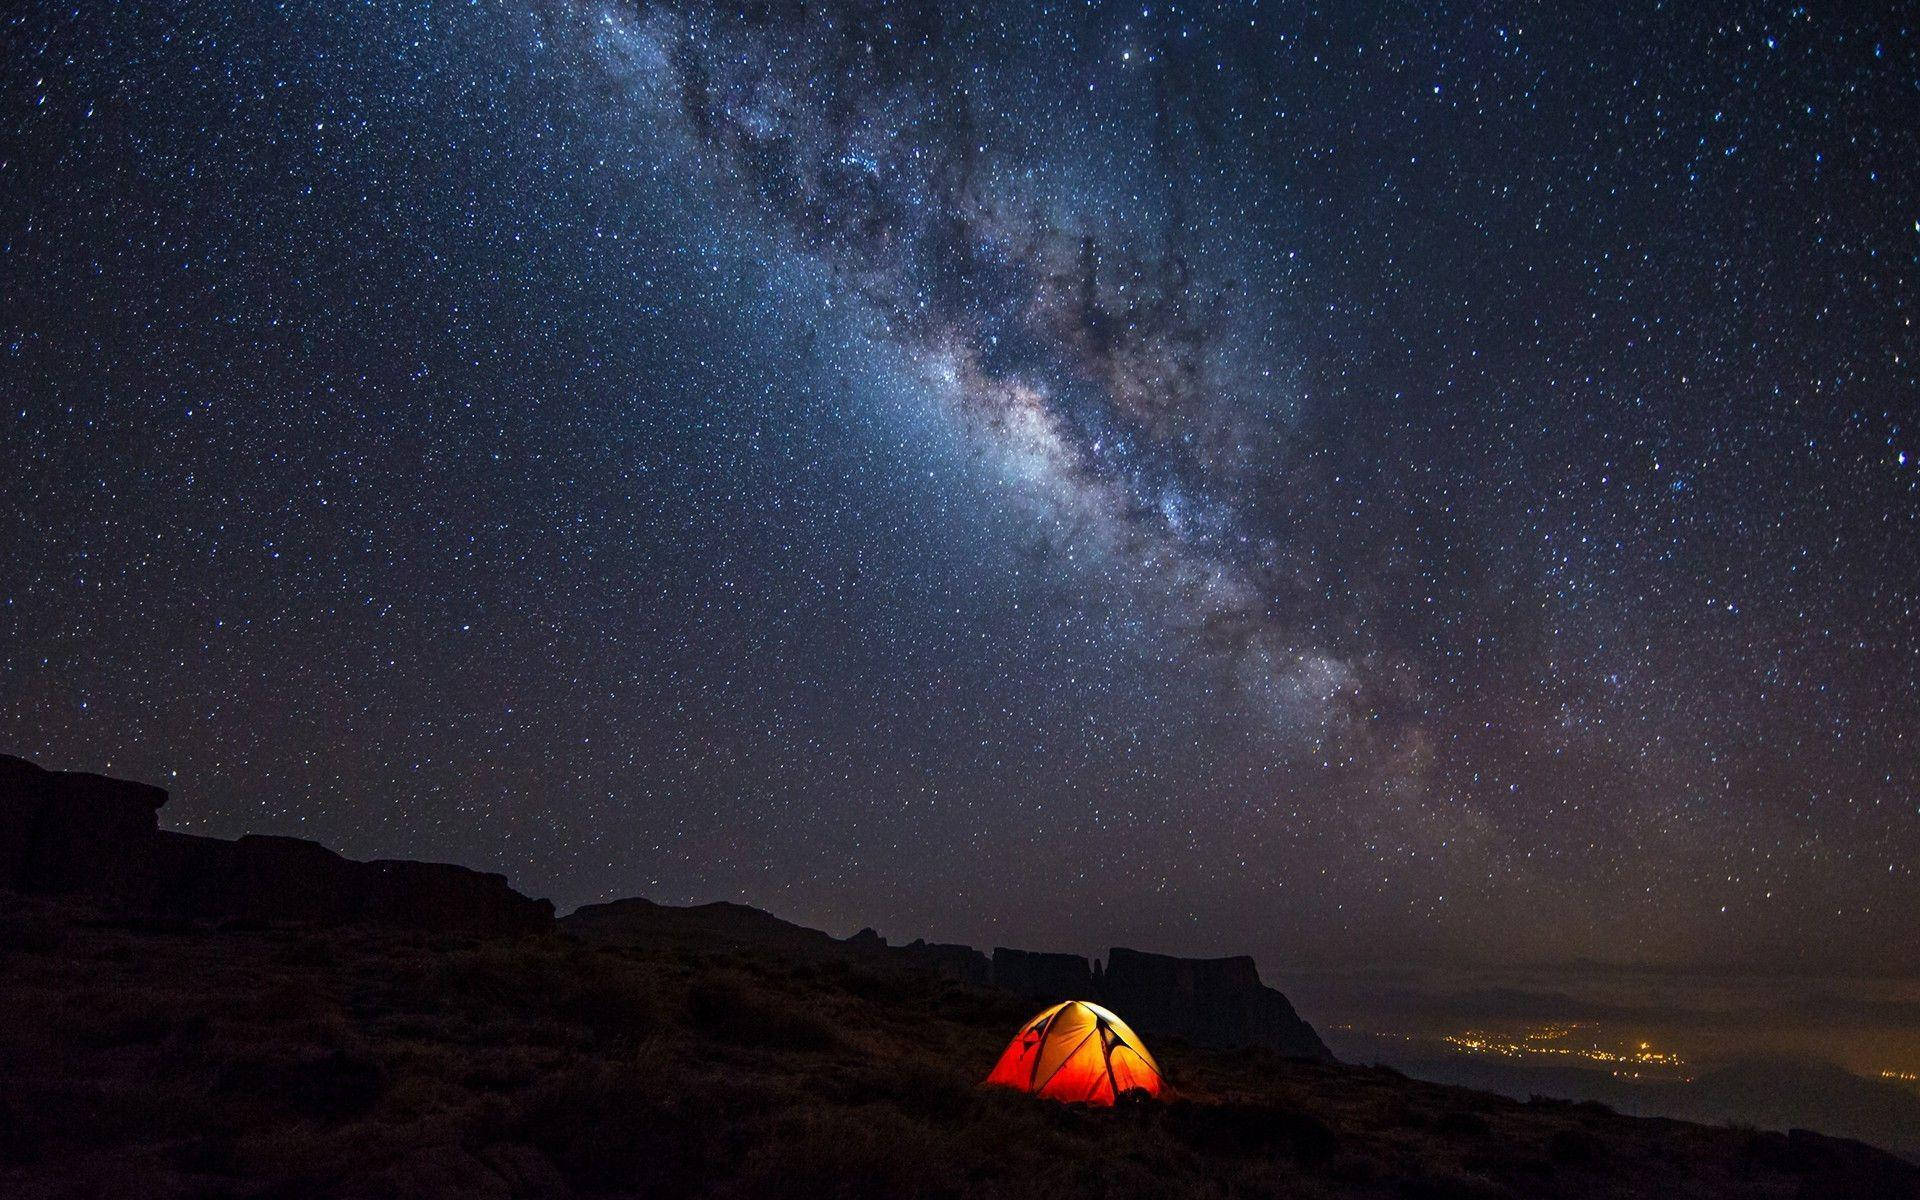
<point x="164" y="1058"/>
<point x="262" y="1018"/>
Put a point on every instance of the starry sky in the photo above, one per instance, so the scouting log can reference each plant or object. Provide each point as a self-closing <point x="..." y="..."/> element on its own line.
<point x="1351" y="483"/>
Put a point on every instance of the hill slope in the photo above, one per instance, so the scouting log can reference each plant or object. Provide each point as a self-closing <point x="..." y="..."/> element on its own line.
<point x="172" y="1059"/>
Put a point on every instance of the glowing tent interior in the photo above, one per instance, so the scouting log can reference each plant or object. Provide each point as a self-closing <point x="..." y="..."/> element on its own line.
<point x="1077" y="1051"/>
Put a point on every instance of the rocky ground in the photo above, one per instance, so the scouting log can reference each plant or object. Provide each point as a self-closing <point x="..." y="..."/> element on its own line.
<point x="172" y="1058"/>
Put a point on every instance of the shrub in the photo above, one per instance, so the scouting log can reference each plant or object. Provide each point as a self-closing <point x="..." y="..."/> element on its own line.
<point x="19" y="1145"/>
<point x="1447" y="1186"/>
<point x="331" y="1086"/>
<point x="29" y="933"/>
<point x="552" y="980"/>
<point x="113" y="1020"/>
<point x="1574" y="1147"/>
<point x="830" y="1153"/>
<point x="1458" y="1122"/>
<point x="726" y="1006"/>
<point x="631" y="1128"/>
<point x="1250" y="1130"/>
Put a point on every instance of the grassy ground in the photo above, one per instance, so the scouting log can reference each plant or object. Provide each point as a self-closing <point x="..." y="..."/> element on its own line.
<point x="154" y="1060"/>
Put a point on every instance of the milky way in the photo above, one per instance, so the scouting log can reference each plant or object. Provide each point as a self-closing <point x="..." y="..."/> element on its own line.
<point x="1099" y="357"/>
<point x="1352" y="485"/>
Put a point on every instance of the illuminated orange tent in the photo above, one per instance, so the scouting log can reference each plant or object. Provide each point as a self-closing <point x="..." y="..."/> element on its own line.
<point x="1077" y="1051"/>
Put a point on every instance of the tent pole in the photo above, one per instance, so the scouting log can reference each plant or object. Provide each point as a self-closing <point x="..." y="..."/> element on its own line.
<point x="1040" y="1046"/>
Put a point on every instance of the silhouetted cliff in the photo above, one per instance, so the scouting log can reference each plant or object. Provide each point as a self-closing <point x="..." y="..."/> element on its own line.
<point x="717" y="926"/>
<point x="70" y="832"/>
<point x="73" y="832"/>
<point x="1217" y="1002"/>
<point x="1209" y="1001"/>
<point x="1041" y="976"/>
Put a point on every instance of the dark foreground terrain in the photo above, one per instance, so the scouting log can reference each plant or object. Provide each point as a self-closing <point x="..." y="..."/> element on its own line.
<point x="163" y="1057"/>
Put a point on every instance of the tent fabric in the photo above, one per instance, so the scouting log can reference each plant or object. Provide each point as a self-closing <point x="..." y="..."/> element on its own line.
<point x="1077" y="1051"/>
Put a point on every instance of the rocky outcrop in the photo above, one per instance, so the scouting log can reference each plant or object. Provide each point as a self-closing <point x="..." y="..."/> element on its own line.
<point x="256" y="878"/>
<point x="700" y="927"/>
<point x="1040" y="976"/>
<point x="72" y="831"/>
<point x="962" y="964"/>
<point x="1216" y="1002"/>
<point x="68" y="832"/>
<point x="430" y="895"/>
<point x="724" y="926"/>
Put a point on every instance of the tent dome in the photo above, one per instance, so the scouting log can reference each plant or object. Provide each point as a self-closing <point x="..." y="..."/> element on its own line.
<point x="1077" y="1051"/>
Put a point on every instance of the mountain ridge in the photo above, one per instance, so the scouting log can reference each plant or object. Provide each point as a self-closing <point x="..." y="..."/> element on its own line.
<point x="1216" y="1002"/>
<point x="74" y="832"/>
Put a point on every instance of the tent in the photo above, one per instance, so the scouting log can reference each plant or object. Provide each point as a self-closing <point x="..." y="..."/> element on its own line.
<point x="1077" y="1051"/>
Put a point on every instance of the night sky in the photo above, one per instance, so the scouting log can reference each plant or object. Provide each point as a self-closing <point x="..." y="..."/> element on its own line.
<point x="1354" y="483"/>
